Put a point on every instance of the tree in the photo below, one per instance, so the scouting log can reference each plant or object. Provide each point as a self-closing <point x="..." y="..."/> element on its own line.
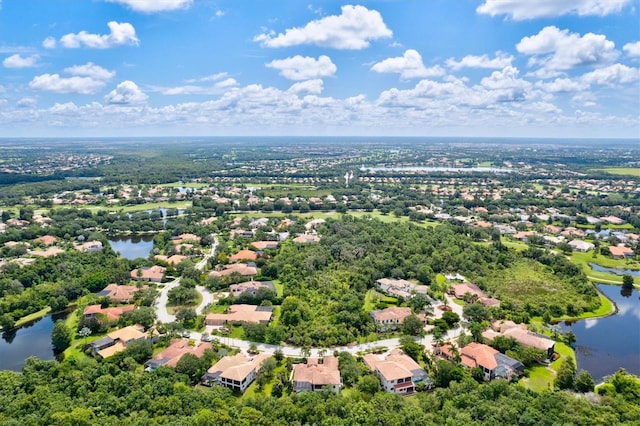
<point x="58" y="303"/>
<point x="627" y="282"/>
<point x="476" y="312"/>
<point x="566" y="374"/>
<point x="84" y="332"/>
<point x="60" y="336"/>
<point x="570" y="337"/>
<point x="413" y="326"/>
<point x="192" y="366"/>
<point x="349" y="370"/>
<point x="451" y="318"/>
<point x="411" y="347"/>
<point x="7" y="322"/>
<point x="446" y="372"/>
<point x="369" y="384"/>
<point x="584" y="382"/>
<point x="139" y="350"/>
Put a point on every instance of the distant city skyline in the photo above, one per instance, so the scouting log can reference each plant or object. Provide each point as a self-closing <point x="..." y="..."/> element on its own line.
<point x="486" y="68"/>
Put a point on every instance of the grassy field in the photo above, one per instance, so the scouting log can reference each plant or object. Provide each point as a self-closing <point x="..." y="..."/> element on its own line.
<point x="529" y="282"/>
<point x="624" y="171"/>
<point x="372" y="297"/>
<point x="540" y="378"/>
<point x="32" y="317"/>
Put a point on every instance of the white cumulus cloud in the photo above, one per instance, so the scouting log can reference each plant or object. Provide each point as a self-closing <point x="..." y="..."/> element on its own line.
<point x="559" y="50"/>
<point x="408" y="66"/>
<point x="612" y="75"/>
<point x="121" y="34"/>
<point x="49" y="43"/>
<point x="531" y="9"/>
<point x="304" y="67"/>
<point x="126" y="93"/>
<point x="562" y="85"/>
<point x="17" y="61"/>
<point x="472" y="61"/>
<point x="90" y="70"/>
<point x="352" y="29"/>
<point x="55" y="83"/>
<point x="310" y="86"/>
<point x="152" y="6"/>
<point x="632" y="49"/>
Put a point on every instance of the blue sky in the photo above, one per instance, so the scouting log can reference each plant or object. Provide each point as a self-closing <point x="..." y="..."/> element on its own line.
<point x="544" y="68"/>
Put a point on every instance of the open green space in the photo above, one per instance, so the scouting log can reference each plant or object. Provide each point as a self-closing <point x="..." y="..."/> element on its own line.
<point x="32" y="317"/>
<point x="279" y="288"/>
<point x="606" y="308"/>
<point x="540" y="378"/>
<point x="624" y="171"/>
<point x="583" y="260"/>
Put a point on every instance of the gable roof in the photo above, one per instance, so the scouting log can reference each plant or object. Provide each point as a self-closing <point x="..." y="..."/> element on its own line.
<point x="178" y="348"/>
<point x="311" y="374"/>
<point x="392" y="313"/>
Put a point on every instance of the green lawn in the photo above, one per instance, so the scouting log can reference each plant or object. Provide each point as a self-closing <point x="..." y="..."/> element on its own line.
<point x="32" y="317"/>
<point x="279" y="288"/>
<point x="625" y="171"/>
<point x="541" y="378"/>
<point x="583" y="260"/>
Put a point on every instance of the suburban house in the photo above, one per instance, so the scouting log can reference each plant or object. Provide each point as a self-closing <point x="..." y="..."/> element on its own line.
<point x="153" y="273"/>
<point x="112" y="314"/>
<point x="46" y="240"/>
<point x="183" y="238"/>
<point x="523" y="236"/>
<point x="390" y="318"/>
<point x="90" y="247"/>
<point x="461" y="290"/>
<point x="493" y="363"/>
<point x="400" y="288"/>
<point x="171" y="260"/>
<point x="524" y="337"/>
<point x="263" y="245"/>
<point x="242" y="269"/>
<point x="176" y="350"/>
<point x="117" y="341"/>
<point x="242" y="313"/>
<point x="250" y="287"/>
<point x="243" y="255"/>
<point x="620" y="252"/>
<point x="306" y="239"/>
<point x="51" y="251"/>
<point x="580" y="245"/>
<point x="316" y="376"/>
<point x="236" y="372"/>
<point x="121" y="293"/>
<point x="398" y="372"/>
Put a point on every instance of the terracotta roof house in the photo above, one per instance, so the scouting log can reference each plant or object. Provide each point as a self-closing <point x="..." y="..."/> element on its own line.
<point x="241" y="313"/>
<point x="46" y="240"/>
<point x="493" y="363"/>
<point x="243" y="255"/>
<point x="263" y="245"/>
<point x="176" y="350"/>
<point x="460" y="290"/>
<point x="117" y="341"/>
<point x="613" y="220"/>
<point x="620" y="252"/>
<point x="524" y="337"/>
<point x="111" y="313"/>
<point x="390" y="318"/>
<point x="149" y="273"/>
<point x="120" y="293"/>
<point x="185" y="237"/>
<point x="235" y="372"/>
<point x="245" y="270"/>
<point x="398" y="373"/>
<point x="306" y="239"/>
<point x="251" y="287"/>
<point x="51" y="251"/>
<point x="315" y="376"/>
<point x="171" y="260"/>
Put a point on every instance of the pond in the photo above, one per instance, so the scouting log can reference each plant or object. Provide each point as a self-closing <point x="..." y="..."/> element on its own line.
<point x="607" y="344"/>
<point x="614" y="270"/>
<point x="33" y="339"/>
<point x="132" y="246"/>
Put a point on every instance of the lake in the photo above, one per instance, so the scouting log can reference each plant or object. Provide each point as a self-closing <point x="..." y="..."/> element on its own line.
<point x="30" y="340"/>
<point x="132" y="246"/>
<point x="614" y="270"/>
<point x="607" y="344"/>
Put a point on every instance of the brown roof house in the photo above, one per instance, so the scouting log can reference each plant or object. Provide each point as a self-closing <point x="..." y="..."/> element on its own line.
<point x="121" y="293"/>
<point x="243" y="255"/>
<point x="112" y="314"/>
<point x="263" y="245"/>
<point x="389" y="318"/>
<point x="493" y="363"/>
<point x="250" y="287"/>
<point x="524" y="337"/>
<point x="236" y="372"/>
<point x="176" y="350"/>
<point x="117" y="341"/>
<point x="241" y="313"/>
<point x="398" y="372"/>
<point x="464" y="289"/>
<point x="620" y="252"/>
<point x="153" y="273"/>
<point x="316" y="376"/>
<point x="243" y="269"/>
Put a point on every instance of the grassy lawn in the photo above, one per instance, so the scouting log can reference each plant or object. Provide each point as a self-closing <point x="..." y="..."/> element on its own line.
<point x="459" y="302"/>
<point x="625" y="171"/>
<point x="236" y="333"/>
<point x="541" y="378"/>
<point x="583" y="260"/>
<point x="279" y="287"/>
<point x="32" y="317"/>
<point x="529" y="282"/>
